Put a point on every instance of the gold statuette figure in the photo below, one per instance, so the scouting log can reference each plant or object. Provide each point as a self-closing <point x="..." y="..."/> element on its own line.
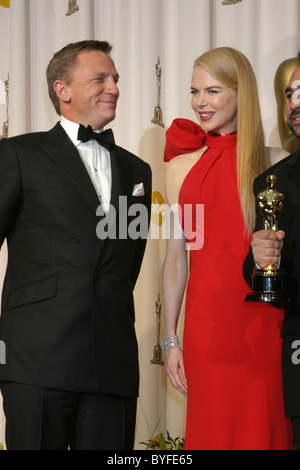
<point x="5" y="124"/>
<point x="72" y="7"/>
<point x="158" y="116"/>
<point x="268" y="282"/>
<point x="157" y="353"/>
<point x="270" y="203"/>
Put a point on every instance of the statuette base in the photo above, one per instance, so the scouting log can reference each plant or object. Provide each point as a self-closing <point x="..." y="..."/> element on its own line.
<point x="267" y="286"/>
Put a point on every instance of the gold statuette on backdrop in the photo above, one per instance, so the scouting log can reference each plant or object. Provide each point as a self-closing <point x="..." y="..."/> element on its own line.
<point x="230" y="2"/>
<point x="5" y="124"/>
<point x="72" y="7"/>
<point x="157" y="352"/>
<point x="158" y="116"/>
<point x="268" y="282"/>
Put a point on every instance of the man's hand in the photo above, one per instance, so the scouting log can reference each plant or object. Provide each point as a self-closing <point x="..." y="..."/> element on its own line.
<point x="266" y="247"/>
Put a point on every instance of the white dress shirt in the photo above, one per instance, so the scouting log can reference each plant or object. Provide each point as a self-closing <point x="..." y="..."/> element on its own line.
<point x="96" y="160"/>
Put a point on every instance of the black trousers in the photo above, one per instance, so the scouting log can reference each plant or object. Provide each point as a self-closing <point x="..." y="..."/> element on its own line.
<point x="296" y="430"/>
<point x="46" y="419"/>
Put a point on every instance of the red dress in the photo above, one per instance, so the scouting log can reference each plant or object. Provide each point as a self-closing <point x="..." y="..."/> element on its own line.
<point x="232" y="348"/>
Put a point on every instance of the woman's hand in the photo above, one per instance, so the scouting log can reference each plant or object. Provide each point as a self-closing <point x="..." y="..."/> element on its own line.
<point x="174" y="363"/>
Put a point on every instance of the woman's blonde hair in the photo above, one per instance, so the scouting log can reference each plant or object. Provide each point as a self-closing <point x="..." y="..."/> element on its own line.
<point x="234" y="70"/>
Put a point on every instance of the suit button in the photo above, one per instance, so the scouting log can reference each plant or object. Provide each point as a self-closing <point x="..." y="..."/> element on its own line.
<point x="77" y="239"/>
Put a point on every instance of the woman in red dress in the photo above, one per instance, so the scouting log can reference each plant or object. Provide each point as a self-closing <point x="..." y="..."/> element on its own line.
<point x="230" y="363"/>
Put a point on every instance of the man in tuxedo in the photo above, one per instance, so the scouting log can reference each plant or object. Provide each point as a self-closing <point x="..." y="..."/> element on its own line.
<point x="71" y="374"/>
<point x="283" y="247"/>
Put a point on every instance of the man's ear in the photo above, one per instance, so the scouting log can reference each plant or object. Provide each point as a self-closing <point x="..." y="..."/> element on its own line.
<point x="62" y="91"/>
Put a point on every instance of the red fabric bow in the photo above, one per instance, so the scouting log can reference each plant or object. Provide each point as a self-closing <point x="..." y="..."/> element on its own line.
<point x="183" y="136"/>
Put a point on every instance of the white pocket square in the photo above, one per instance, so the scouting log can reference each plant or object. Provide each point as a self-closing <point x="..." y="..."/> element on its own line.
<point x="138" y="190"/>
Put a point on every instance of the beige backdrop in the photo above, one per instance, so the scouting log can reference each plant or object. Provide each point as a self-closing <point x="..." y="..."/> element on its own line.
<point x="141" y="31"/>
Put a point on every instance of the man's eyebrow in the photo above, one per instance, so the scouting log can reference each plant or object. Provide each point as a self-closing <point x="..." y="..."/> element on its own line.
<point x="292" y="90"/>
<point x="97" y="75"/>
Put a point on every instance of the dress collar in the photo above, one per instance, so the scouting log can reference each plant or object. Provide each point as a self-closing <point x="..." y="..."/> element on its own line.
<point x="185" y="136"/>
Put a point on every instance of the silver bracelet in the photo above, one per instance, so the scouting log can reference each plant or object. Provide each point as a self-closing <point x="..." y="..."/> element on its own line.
<point x="170" y="343"/>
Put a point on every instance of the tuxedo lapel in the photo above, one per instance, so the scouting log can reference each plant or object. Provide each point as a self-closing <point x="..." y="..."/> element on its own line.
<point x="293" y="169"/>
<point x="65" y="155"/>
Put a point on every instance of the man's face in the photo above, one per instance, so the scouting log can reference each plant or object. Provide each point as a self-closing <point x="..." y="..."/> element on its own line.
<point x="292" y="109"/>
<point x="91" y="97"/>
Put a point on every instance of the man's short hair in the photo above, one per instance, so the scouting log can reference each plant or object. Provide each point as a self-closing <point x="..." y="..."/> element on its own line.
<point x="61" y="65"/>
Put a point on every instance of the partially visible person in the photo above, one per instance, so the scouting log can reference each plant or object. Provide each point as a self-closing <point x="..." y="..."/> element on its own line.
<point x="71" y="376"/>
<point x="283" y="248"/>
<point x="229" y="366"/>
<point x="289" y="141"/>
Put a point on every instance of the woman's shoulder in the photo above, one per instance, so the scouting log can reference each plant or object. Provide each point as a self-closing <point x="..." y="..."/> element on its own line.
<point x="182" y="164"/>
<point x="182" y="160"/>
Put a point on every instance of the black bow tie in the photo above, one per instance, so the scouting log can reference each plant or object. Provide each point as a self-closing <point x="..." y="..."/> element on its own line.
<point x="105" y="138"/>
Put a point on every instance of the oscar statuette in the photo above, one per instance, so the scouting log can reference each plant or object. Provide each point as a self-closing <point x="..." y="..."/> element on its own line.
<point x="158" y="115"/>
<point x="268" y="281"/>
<point x="5" y="124"/>
<point x="72" y="7"/>
<point x="157" y="352"/>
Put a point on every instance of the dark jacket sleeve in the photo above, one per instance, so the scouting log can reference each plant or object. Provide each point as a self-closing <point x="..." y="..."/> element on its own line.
<point x="10" y="188"/>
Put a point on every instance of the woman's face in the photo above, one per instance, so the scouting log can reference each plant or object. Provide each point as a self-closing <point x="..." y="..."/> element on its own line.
<point x="214" y="104"/>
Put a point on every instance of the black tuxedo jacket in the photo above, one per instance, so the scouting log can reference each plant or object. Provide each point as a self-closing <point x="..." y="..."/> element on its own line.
<point x="67" y="302"/>
<point x="287" y="172"/>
